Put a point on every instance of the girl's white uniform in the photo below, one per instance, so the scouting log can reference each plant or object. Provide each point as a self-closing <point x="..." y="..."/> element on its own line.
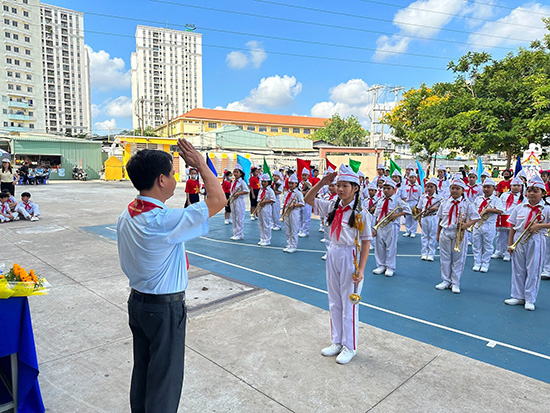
<point x="429" y="223"/>
<point x="292" y="222"/>
<point x="452" y="263"/>
<point x="385" y="251"/>
<point x="238" y="207"/>
<point x="276" y="207"/>
<point x="305" y="213"/>
<point x="509" y="203"/>
<point x="265" y="215"/>
<point x="344" y="316"/>
<point x="411" y="195"/>
<point x="527" y="259"/>
<point x="472" y="192"/>
<point x="443" y="188"/>
<point x="28" y="209"/>
<point x="484" y="236"/>
<point x="326" y="229"/>
<point x="323" y="194"/>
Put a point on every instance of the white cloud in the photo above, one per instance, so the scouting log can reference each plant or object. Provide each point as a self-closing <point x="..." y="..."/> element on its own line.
<point x="505" y="27"/>
<point x="106" y="125"/>
<point x="121" y="107"/>
<point x="479" y="11"/>
<point x="272" y="92"/>
<point x="96" y="110"/>
<point x="107" y="73"/>
<point x="255" y="58"/>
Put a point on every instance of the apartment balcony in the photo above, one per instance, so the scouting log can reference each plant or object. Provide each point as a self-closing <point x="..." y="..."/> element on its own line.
<point x="13" y="116"/>
<point x="15" y="104"/>
<point x="19" y="129"/>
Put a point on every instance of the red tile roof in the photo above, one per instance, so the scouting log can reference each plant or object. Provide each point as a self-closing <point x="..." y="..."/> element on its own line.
<point x="253" y="118"/>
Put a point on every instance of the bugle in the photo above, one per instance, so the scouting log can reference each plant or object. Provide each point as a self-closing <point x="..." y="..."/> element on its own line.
<point x="479" y="223"/>
<point x="459" y="237"/>
<point x="288" y="209"/>
<point x="386" y="220"/>
<point x="526" y="234"/>
<point x="231" y="198"/>
<point x="427" y="211"/>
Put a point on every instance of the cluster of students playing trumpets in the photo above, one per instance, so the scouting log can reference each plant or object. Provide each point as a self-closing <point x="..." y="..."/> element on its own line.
<point x="453" y="213"/>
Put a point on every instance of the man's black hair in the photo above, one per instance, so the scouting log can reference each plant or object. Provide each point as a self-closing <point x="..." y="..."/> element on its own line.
<point x="26" y="194"/>
<point x="145" y="166"/>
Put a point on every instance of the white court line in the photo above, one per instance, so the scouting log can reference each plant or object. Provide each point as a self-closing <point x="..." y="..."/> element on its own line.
<point x="111" y="229"/>
<point x="490" y="342"/>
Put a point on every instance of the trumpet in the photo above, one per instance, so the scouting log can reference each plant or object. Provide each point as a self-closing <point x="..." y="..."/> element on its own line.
<point x="231" y="198"/>
<point x="526" y="234"/>
<point x="288" y="209"/>
<point x="426" y="212"/>
<point x="416" y="212"/>
<point x="479" y="223"/>
<point x="459" y="232"/>
<point x="386" y="220"/>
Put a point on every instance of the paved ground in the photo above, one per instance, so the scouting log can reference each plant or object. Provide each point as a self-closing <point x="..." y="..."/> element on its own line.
<point x="252" y="345"/>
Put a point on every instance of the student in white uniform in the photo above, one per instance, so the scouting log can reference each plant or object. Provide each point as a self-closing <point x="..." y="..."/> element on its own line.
<point x="380" y="169"/>
<point x="278" y="188"/>
<point x="266" y="199"/>
<point x="5" y="211"/>
<point x="26" y="208"/>
<point x="428" y="204"/>
<point x="488" y="206"/>
<point x="331" y="195"/>
<point x="305" y="212"/>
<point x="294" y="201"/>
<point x="347" y="255"/>
<point x="473" y="189"/>
<point x="510" y="199"/>
<point x="370" y="202"/>
<point x="454" y="209"/>
<point x="484" y="176"/>
<point x="386" y="236"/>
<point x="442" y="182"/>
<point x="411" y="194"/>
<point x="239" y="189"/>
<point x="527" y="257"/>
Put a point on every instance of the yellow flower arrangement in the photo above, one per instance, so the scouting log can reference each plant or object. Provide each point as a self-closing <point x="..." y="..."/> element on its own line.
<point x="19" y="282"/>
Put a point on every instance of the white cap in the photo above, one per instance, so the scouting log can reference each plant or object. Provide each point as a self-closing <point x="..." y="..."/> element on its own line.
<point x="441" y="168"/>
<point x="536" y="181"/>
<point x="489" y="181"/>
<point x="391" y="183"/>
<point x="396" y="172"/>
<point x="360" y="174"/>
<point x="485" y="173"/>
<point x="329" y="170"/>
<point x="472" y="172"/>
<point x="239" y="167"/>
<point x="345" y="173"/>
<point x="6" y="160"/>
<point x="458" y="182"/>
<point x="265" y="177"/>
<point x="293" y="178"/>
<point x="433" y="181"/>
<point x="380" y="166"/>
<point x="373" y="185"/>
<point x="305" y="172"/>
<point x="413" y="173"/>
<point x="409" y="166"/>
<point x="516" y="181"/>
<point x="521" y="173"/>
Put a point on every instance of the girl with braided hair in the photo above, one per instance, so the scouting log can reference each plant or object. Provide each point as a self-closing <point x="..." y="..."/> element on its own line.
<point x="349" y="236"/>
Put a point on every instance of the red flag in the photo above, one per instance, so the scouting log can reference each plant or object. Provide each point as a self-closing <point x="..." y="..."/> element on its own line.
<point x="301" y="164"/>
<point x="330" y="165"/>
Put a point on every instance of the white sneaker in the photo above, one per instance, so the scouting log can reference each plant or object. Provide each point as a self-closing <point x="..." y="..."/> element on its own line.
<point x="332" y="351"/>
<point x="260" y="242"/>
<point x="291" y="250"/>
<point x="514" y="301"/>
<point x="321" y="230"/>
<point x="476" y="267"/>
<point x="424" y="257"/>
<point x="496" y="255"/>
<point x="286" y="249"/>
<point x="379" y="270"/>
<point x="324" y="257"/>
<point x="252" y="218"/>
<point x="406" y="234"/>
<point x="17" y="219"/>
<point x="226" y="222"/>
<point x="302" y="235"/>
<point x="529" y="306"/>
<point x="442" y="285"/>
<point x="236" y="238"/>
<point x="345" y="356"/>
<point x="469" y="243"/>
<point x="413" y="235"/>
<point x="371" y="247"/>
<point x="266" y="244"/>
<point x="276" y="228"/>
<point x="506" y="257"/>
<point x="455" y="289"/>
<point x="484" y="268"/>
<point x="323" y="240"/>
<point x="545" y="275"/>
<point x="230" y="221"/>
<point x="430" y="258"/>
<point x="388" y="273"/>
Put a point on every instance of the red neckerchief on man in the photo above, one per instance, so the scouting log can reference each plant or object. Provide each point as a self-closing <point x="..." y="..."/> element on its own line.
<point x="336" y="226"/>
<point x="455" y="207"/>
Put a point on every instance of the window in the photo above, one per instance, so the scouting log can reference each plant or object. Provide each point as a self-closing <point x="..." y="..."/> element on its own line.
<point x="14" y="10"/>
<point x="27" y="51"/>
<point x="10" y="74"/>
<point x="28" y="64"/>
<point x="295" y="130"/>
<point x="26" y="13"/>
<point x="7" y="34"/>
<point x="6" y="8"/>
<point x="29" y="89"/>
<point x="8" y="60"/>
<point x="212" y="125"/>
<point x="263" y="129"/>
<point x="10" y="87"/>
<point x="307" y="131"/>
<point x="18" y="75"/>
<point x="15" y="36"/>
<point x="7" y="21"/>
<point x="31" y="125"/>
<point x="6" y="124"/>
<point x="8" y="47"/>
<point x="16" y="49"/>
<point x="251" y="128"/>
<point x="27" y="27"/>
<point x="5" y="111"/>
<point x="29" y="77"/>
<point x="27" y="39"/>
<point x="18" y="87"/>
<point x="272" y="129"/>
<point x="286" y="130"/>
<point x="14" y="23"/>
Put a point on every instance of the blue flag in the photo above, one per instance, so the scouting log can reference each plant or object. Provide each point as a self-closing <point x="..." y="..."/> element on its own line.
<point x="519" y="167"/>
<point x="421" y="175"/>
<point x="246" y="164"/>
<point x="211" y="165"/>
<point x="479" y="169"/>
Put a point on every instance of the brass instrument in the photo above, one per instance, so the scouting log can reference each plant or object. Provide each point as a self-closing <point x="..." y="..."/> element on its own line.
<point x="288" y="209"/>
<point x="258" y="209"/>
<point x="526" y="234"/>
<point x="386" y="220"/>
<point x="306" y="186"/>
<point x="479" y="223"/>
<point x="416" y="212"/>
<point x="459" y="232"/>
<point x="232" y="198"/>
<point x="427" y="212"/>
<point x="354" y="297"/>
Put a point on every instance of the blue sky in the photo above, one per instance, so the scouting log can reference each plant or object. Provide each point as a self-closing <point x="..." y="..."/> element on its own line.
<point x="248" y="64"/>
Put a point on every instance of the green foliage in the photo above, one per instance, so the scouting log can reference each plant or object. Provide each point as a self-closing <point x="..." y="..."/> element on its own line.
<point x="149" y="131"/>
<point x="342" y="132"/>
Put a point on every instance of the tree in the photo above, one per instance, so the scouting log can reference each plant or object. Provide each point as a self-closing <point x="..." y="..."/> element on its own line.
<point x="149" y="131"/>
<point x="342" y="132"/>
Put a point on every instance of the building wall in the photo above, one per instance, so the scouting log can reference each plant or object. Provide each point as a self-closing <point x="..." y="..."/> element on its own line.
<point x="22" y="91"/>
<point x="166" y="74"/>
<point x="66" y="71"/>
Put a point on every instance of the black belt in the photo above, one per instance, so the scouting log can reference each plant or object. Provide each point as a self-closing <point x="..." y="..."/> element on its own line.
<point x="157" y="298"/>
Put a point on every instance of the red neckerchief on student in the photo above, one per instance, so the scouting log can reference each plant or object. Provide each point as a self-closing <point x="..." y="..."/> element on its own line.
<point x="233" y="184"/>
<point x="440" y="183"/>
<point x="262" y="194"/>
<point x="28" y="206"/>
<point x="429" y="201"/>
<point x="510" y="200"/>
<point x="371" y="202"/>
<point x="331" y="196"/>
<point x="287" y="199"/>
<point x="534" y="211"/>
<point x="139" y="206"/>
<point x="336" y="225"/>
<point x="470" y="189"/>
<point x="410" y="189"/>
<point x="455" y="207"/>
<point x="385" y="208"/>
<point x="483" y="204"/>
<point x="379" y="195"/>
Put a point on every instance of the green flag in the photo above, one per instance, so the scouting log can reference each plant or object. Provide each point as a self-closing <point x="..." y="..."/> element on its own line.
<point x="354" y="165"/>
<point x="266" y="169"/>
<point x="393" y="167"/>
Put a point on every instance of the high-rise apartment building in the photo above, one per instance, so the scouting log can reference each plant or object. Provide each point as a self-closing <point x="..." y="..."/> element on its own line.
<point x="66" y="71"/>
<point x="166" y="75"/>
<point x="22" y="91"/>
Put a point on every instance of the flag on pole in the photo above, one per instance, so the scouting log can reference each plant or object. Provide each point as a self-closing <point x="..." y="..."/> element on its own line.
<point x="246" y="164"/>
<point x="301" y="164"/>
<point x="266" y="170"/>
<point x="519" y="167"/>
<point x="211" y="165"/>
<point x="353" y="164"/>
<point x="479" y="169"/>
<point x="330" y="164"/>
<point x="421" y="175"/>
<point x="393" y="167"/>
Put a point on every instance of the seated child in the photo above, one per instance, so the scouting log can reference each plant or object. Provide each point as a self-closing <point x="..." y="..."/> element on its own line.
<point x="5" y="212"/>
<point x="26" y="208"/>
